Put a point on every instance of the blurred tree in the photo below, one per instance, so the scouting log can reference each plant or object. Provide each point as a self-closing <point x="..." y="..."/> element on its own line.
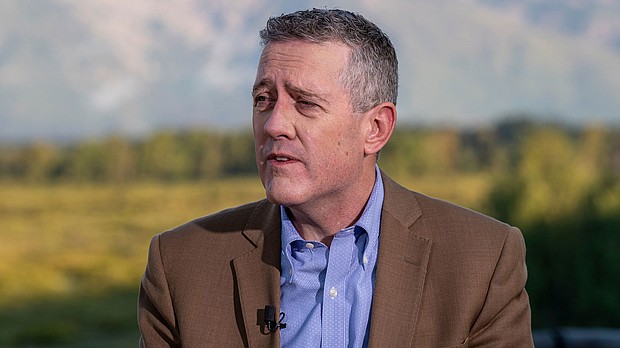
<point x="87" y="162"/>
<point x="562" y="195"/>
<point x="547" y="169"/>
<point x="594" y="149"/>
<point x="40" y="162"/>
<point x="238" y="154"/>
<point x="478" y="150"/>
<point x="441" y="150"/>
<point x="401" y="156"/>
<point x="163" y="157"/>
<point x="11" y="161"/>
<point x="119" y="160"/>
<point x="205" y="149"/>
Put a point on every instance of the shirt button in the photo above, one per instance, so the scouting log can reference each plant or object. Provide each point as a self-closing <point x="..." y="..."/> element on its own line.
<point x="365" y="259"/>
<point x="309" y="245"/>
<point x="333" y="292"/>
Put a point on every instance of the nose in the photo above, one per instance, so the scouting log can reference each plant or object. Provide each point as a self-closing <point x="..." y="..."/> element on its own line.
<point x="280" y="121"/>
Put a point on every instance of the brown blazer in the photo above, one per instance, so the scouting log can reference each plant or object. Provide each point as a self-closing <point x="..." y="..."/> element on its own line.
<point x="446" y="277"/>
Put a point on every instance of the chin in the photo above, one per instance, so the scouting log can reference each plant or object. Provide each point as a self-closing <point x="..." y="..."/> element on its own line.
<point x="278" y="198"/>
<point x="280" y="191"/>
<point x="286" y="196"/>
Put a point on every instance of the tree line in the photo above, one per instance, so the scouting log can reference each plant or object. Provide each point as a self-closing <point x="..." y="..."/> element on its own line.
<point x="163" y="156"/>
<point x="202" y="154"/>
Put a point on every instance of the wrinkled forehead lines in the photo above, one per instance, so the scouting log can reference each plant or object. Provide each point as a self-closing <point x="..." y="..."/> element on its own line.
<point x="288" y="59"/>
<point x="288" y="53"/>
<point x="271" y="63"/>
<point x="279" y="62"/>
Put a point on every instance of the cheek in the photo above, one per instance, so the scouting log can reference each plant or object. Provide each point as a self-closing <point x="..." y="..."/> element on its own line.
<point x="342" y="148"/>
<point x="334" y="142"/>
<point x="256" y="127"/>
<point x="351" y="141"/>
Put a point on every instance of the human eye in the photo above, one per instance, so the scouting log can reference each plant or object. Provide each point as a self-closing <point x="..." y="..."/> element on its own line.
<point x="263" y="102"/>
<point x="305" y="104"/>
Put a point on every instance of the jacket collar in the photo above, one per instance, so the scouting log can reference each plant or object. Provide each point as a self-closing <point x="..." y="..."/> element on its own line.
<point x="401" y="270"/>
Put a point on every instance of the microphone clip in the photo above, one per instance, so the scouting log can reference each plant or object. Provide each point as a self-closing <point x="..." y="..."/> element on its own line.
<point x="270" y="319"/>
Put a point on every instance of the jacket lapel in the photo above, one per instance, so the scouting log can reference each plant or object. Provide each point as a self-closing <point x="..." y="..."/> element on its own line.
<point x="257" y="275"/>
<point x="401" y="270"/>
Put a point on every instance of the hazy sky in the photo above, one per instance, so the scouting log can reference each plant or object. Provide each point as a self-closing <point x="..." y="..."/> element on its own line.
<point x="72" y="68"/>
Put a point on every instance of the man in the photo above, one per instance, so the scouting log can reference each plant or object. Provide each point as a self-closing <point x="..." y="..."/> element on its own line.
<point x="347" y="256"/>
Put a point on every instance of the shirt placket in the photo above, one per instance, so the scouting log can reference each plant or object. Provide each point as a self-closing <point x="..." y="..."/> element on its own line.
<point x="334" y="315"/>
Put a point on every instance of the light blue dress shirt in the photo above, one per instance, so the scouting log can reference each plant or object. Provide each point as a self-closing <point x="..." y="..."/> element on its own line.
<point x="326" y="293"/>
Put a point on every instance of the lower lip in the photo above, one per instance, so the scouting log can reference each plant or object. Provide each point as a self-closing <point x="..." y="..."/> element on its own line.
<point x="274" y="162"/>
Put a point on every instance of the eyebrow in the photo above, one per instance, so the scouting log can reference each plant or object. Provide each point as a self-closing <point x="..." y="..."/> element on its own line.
<point x="262" y="83"/>
<point x="268" y="83"/>
<point x="304" y="93"/>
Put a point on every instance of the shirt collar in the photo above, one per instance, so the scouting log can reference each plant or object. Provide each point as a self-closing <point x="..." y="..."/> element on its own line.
<point x="370" y="220"/>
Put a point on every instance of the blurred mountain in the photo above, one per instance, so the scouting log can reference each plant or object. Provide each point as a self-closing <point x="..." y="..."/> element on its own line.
<point x="71" y="68"/>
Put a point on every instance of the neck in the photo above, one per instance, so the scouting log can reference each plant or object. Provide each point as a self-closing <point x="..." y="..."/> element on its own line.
<point x="321" y="222"/>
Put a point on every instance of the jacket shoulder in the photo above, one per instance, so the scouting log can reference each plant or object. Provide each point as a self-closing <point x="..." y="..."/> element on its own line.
<point x="447" y="225"/>
<point x="438" y="216"/>
<point x="450" y="214"/>
<point x="471" y="241"/>
<point x="223" y="226"/>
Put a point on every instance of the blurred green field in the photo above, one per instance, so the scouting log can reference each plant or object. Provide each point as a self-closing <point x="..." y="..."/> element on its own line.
<point x="72" y="255"/>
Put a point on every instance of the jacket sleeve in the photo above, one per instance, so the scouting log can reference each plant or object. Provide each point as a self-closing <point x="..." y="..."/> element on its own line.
<point x="504" y="321"/>
<point x="156" y="318"/>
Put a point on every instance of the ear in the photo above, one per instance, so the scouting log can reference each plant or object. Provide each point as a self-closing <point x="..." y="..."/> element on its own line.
<point x="381" y="121"/>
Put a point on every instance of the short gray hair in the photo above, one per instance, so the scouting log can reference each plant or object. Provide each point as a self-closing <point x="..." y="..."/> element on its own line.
<point x="371" y="76"/>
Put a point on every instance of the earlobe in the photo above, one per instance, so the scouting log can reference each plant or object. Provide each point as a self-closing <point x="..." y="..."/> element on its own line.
<point x="382" y="120"/>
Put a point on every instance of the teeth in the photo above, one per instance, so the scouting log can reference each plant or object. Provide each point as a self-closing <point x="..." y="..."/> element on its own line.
<point x="282" y="158"/>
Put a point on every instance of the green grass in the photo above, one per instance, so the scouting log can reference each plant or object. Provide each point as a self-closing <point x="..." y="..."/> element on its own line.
<point x="73" y="254"/>
<point x="85" y="320"/>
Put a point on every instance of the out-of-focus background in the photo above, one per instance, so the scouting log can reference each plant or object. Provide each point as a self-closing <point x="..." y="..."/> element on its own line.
<point x="121" y="119"/>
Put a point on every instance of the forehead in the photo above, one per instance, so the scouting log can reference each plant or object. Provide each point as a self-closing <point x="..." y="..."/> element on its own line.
<point x="302" y="59"/>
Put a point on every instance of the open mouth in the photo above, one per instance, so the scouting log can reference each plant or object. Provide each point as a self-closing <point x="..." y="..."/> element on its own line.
<point x="280" y="158"/>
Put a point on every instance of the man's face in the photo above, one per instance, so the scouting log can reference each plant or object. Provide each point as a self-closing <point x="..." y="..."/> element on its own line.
<point x="309" y="143"/>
